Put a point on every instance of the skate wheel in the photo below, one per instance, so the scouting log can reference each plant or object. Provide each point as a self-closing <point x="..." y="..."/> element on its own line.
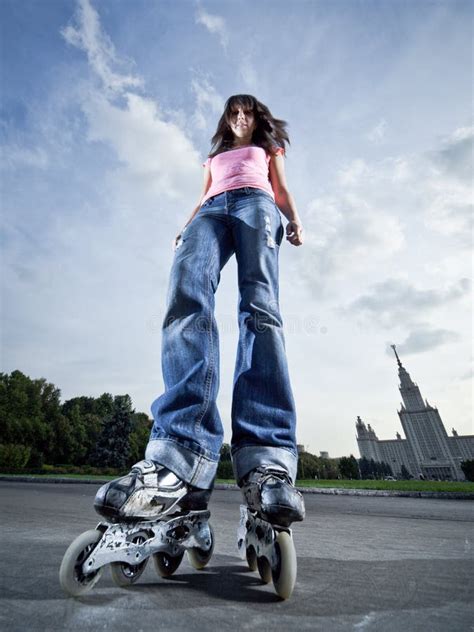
<point x="124" y="574"/>
<point x="264" y="570"/>
<point x="165" y="565"/>
<point x="251" y="558"/>
<point x="73" y="581"/>
<point x="284" y="574"/>
<point x="198" y="558"/>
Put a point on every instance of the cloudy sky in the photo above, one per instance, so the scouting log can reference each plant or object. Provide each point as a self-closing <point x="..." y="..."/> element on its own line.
<point x="107" y="112"/>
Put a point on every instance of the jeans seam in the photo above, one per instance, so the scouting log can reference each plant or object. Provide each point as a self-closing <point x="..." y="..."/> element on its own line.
<point x="257" y="445"/>
<point x="197" y="470"/>
<point x="201" y="457"/>
<point x="210" y="370"/>
<point x="244" y="345"/>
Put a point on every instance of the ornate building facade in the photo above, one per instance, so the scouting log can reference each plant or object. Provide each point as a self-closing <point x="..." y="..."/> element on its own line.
<point x="427" y="451"/>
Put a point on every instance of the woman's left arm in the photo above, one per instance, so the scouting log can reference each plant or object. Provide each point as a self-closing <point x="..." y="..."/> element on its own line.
<point x="284" y="200"/>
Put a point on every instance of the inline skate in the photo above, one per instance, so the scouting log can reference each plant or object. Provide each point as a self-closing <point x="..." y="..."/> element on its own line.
<point x="149" y="512"/>
<point x="264" y="536"/>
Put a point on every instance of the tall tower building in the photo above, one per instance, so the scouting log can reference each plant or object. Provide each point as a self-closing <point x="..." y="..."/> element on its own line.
<point x="425" y="431"/>
<point x="427" y="451"/>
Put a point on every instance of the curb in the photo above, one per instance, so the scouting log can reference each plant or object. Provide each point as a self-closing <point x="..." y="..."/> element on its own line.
<point x="334" y="491"/>
<point x="386" y="492"/>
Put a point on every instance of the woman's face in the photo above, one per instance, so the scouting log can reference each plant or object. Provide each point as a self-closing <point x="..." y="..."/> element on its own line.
<point x="242" y="123"/>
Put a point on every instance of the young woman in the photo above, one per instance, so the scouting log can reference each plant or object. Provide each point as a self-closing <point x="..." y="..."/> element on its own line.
<point x="244" y="190"/>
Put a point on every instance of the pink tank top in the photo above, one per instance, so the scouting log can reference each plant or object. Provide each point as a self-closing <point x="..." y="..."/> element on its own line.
<point x="240" y="167"/>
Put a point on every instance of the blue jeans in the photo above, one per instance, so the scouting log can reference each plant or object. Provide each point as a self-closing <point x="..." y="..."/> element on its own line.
<point x="187" y="433"/>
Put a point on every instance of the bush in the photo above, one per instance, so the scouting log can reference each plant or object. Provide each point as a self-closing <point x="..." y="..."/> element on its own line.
<point x="14" y="456"/>
<point x="36" y="460"/>
<point x="81" y="469"/>
<point x="468" y="469"/>
<point x="224" y="469"/>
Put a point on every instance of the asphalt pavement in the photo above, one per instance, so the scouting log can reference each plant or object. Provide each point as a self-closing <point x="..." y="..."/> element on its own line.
<point x="364" y="563"/>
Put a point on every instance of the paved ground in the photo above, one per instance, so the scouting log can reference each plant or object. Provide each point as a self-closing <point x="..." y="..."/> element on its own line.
<point x="364" y="564"/>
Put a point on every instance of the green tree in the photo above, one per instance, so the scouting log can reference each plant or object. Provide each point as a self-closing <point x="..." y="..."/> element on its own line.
<point x="225" y="452"/>
<point x="139" y="436"/>
<point x="405" y="474"/>
<point x="468" y="469"/>
<point x="113" y="446"/>
<point x="13" y="456"/>
<point x="224" y="468"/>
<point x="30" y="411"/>
<point x="309" y="466"/>
<point x="365" y="468"/>
<point x="348" y="467"/>
<point x="328" y="469"/>
<point x="86" y="417"/>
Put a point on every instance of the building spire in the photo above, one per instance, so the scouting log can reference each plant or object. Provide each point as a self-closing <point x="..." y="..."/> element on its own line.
<point x="409" y="390"/>
<point x="396" y="355"/>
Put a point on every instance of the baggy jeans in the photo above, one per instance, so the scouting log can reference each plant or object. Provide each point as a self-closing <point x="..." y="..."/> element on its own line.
<point x="187" y="433"/>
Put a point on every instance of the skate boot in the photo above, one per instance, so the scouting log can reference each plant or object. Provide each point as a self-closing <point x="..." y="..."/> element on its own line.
<point x="265" y="539"/>
<point x="149" y="512"/>
<point x="269" y="492"/>
<point x="149" y="491"/>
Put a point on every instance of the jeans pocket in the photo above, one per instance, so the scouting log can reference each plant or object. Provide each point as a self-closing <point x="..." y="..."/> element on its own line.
<point x="280" y="233"/>
<point x="208" y="202"/>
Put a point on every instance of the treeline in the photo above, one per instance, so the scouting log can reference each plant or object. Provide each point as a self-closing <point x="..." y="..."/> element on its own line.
<point x="36" y="429"/>
<point x="346" y="467"/>
<point x="315" y="467"/>
<point x="104" y="435"/>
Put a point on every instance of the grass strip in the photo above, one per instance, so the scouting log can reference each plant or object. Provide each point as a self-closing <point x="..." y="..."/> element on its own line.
<point x="413" y="485"/>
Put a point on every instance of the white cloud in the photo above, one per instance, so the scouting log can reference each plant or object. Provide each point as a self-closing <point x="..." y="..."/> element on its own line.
<point x="449" y="210"/>
<point x="436" y="185"/>
<point x="423" y="337"/>
<point x="215" y="24"/>
<point x="150" y="149"/>
<point x="455" y="156"/>
<point x="248" y="73"/>
<point x="154" y="153"/>
<point x="13" y="156"/>
<point x="208" y="103"/>
<point x="397" y="302"/>
<point x="345" y="235"/>
<point x="377" y="133"/>
<point x="89" y="37"/>
<point x="354" y="172"/>
<point x="374" y="210"/>
<point x="449" y="187"/>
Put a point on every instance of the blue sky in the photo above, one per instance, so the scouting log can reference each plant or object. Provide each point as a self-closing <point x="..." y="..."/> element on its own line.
<point x="106" y="115"/>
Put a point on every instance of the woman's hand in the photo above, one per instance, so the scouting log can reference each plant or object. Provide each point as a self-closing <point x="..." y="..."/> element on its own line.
<point x="179" y="236"/>
<point x="175" y="241"/>
<point x="294" y="233"/>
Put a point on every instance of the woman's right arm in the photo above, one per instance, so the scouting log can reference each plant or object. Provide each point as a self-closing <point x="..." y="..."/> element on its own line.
<point x="205" y="188"/>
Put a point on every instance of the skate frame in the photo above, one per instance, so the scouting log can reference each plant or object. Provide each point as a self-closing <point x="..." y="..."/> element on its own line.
<point x="170" y="536"/>
<point x="259" y="533"/>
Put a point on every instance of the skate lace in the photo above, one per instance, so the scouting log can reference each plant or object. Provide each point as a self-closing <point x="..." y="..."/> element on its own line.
<point x="271" y="473"/>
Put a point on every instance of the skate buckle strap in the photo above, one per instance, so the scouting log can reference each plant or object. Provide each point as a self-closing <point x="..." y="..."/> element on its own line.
<point x="146" y="467"/>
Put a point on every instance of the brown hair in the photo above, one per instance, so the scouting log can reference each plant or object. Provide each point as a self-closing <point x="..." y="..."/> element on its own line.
<point x="268" y="132"/>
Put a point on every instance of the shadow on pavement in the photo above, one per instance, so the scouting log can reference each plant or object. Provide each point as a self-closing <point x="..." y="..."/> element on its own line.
<point x="325" y="587"/>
